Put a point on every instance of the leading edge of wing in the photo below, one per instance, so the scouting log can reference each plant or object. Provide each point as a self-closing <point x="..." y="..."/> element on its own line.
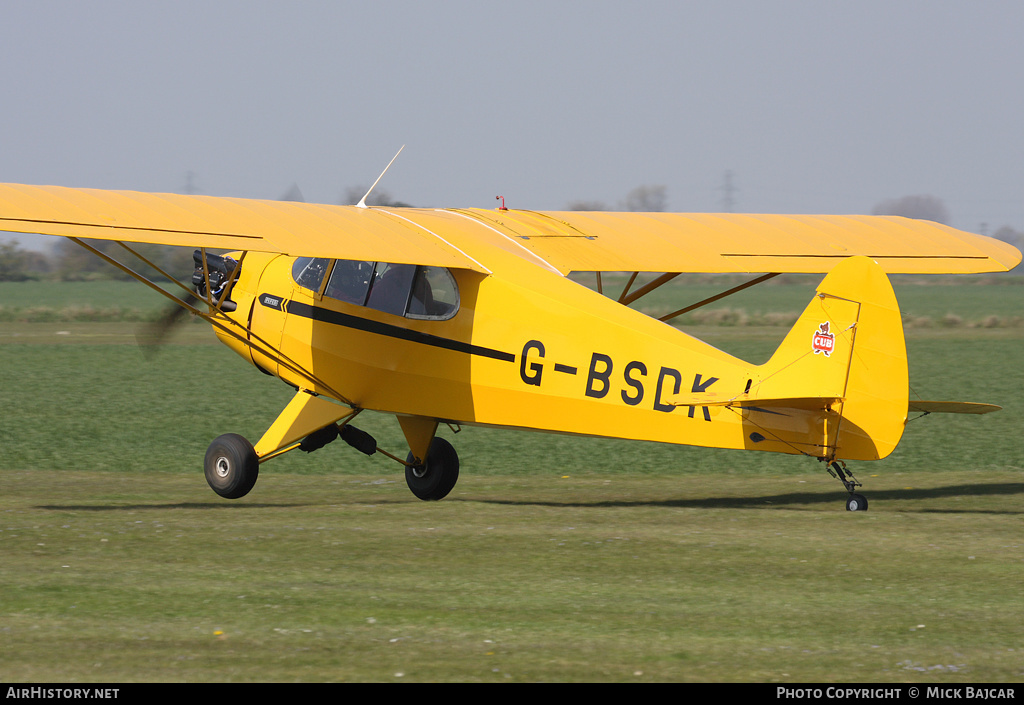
<point x="730" y="242"/>
<point x="286" y="227"/>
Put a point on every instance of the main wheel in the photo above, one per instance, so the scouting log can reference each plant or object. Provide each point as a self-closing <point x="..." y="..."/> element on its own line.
<point x="231" y="466"/>
<point x="856" y="503"/>
<point x="437" y="476"/>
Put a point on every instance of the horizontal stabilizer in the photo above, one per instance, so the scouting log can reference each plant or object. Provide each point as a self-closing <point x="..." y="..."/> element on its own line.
<point x="808" y="403"/>
<point x="814" y="403"/>
<point x="952" y="407"/>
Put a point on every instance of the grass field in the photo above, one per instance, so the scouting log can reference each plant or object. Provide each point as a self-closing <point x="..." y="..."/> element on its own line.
<point x="554" y="559"/>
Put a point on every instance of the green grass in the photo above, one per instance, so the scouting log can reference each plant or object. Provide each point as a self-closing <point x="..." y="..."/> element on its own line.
<point x="99" y="301"/>
<point x="59" y="294"/>
<point x="942" y="302"/>
<point x="145" y="578"/>
<point x="946" y="302"/>
<point x="89" y="399"/>
<point x="554" y="559"/>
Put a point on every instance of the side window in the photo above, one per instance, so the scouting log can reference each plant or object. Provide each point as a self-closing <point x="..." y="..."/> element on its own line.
<point x="308" y="272"/>
<point x="391" y="286"/>
<point x="434" y="294"/>
<point x="350" y="281"/>
<point x="408" y="290"/>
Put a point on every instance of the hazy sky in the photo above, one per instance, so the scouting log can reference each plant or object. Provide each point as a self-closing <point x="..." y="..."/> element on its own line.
<point x="813" y="106"/>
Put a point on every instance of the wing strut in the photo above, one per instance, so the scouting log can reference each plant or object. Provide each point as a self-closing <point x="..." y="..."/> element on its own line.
<point x="716" y="297"/>
<point x="216" y="318"/>
<point x="628" y="297"/>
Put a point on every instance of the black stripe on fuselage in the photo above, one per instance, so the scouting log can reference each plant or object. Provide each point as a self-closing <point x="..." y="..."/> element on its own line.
<point x="337" y="318"/>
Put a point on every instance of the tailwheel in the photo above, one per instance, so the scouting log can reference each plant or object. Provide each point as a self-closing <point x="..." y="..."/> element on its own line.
<point x="855" y="502"/>
<point x="231" y="466"/>
<point x="436" y="477"/>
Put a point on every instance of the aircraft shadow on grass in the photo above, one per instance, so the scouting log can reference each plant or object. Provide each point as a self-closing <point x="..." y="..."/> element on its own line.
<point x="164" y="506"/>
<point x="787" y="500"/>
<point x="799" y="499"/>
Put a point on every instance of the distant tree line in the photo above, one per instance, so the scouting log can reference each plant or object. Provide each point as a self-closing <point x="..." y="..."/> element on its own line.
<point x="642" y="199"/>
<point x="70" y="262"/>
<point x="18" y="265"/>
<point x="919" y="207"/>
<point x="931" y="208"/>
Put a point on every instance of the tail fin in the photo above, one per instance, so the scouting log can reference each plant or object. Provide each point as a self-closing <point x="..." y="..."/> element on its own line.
<point x="837" y="387"/>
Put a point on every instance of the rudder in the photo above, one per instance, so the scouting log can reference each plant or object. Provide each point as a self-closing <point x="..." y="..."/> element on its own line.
<point x="841" y="371"/>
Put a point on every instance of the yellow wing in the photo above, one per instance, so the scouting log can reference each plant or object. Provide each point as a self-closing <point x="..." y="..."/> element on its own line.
<point x="728" y="242"/>
<point x="566" y="241"/>
<point x="300" y="229"/>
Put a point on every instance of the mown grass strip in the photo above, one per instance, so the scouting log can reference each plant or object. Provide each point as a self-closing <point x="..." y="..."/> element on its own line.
<point x="148" y="577"/>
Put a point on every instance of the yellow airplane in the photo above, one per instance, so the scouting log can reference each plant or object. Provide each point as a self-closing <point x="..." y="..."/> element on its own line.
<point x="468" y="316"/>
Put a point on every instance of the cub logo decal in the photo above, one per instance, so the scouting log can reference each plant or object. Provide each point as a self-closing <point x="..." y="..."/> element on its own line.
<point x="823" y="341"/>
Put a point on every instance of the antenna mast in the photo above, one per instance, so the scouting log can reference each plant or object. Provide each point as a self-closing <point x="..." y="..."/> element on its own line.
<point x="362" y="201"/>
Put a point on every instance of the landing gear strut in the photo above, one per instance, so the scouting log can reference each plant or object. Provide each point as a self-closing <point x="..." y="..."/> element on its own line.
<point x="232" y="465"/>
<point x="855" y="502"/>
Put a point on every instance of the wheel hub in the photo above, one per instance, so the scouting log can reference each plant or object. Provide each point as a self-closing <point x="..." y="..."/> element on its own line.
<point x="222" y="467"/>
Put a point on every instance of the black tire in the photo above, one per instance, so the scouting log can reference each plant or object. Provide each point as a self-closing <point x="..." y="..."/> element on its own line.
<point x="856" y="503"/>
<point x="231" y="466"/>
<point x="437" y="476"/>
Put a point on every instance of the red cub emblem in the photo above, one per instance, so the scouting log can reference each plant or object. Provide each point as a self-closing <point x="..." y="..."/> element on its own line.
<point x="823" y="341"/>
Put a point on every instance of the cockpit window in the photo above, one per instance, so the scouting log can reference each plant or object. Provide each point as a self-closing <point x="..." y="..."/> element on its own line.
<point x="434" y="294"/>
<point x="391" y="286"/>
<point x="308" y="272"/>
<point x="350" y="281"/>
<point x="420" y="292"/>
